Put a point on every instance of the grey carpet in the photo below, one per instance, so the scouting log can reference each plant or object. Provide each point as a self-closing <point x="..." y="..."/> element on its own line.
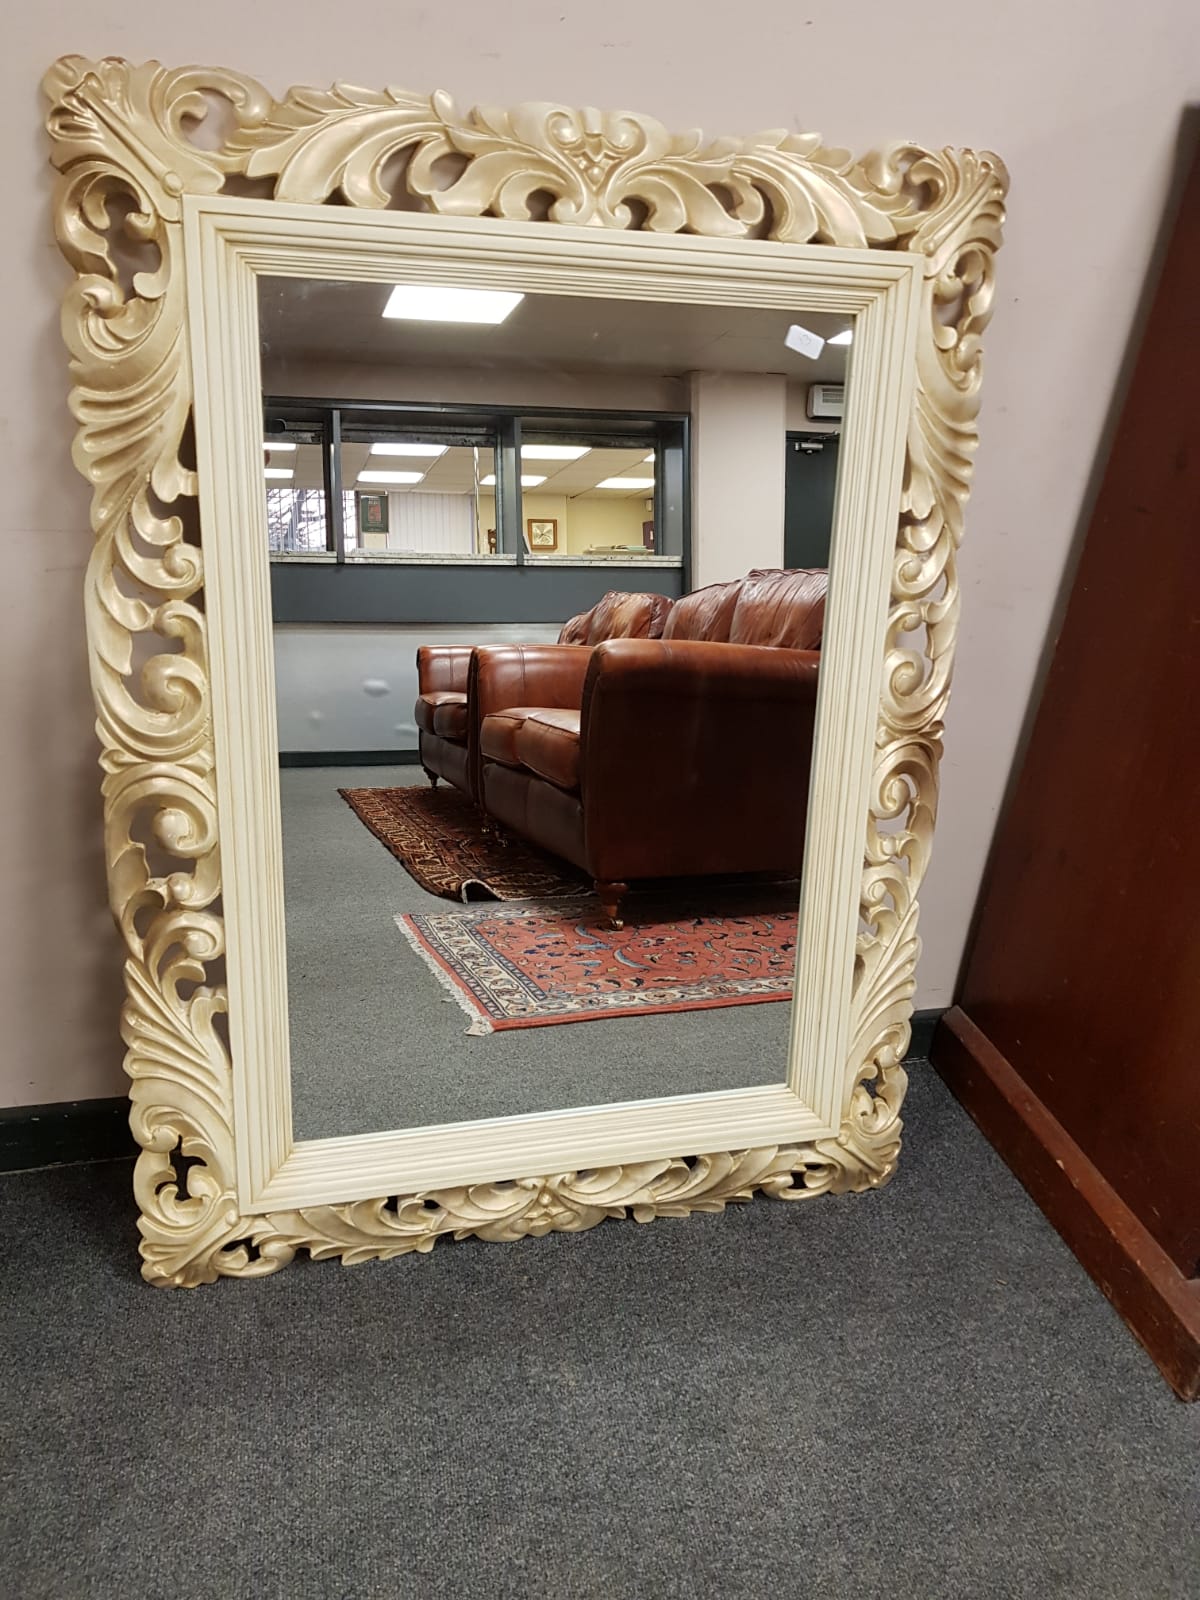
<point x="913" y="1393"/>
<point x="358" y="993"/>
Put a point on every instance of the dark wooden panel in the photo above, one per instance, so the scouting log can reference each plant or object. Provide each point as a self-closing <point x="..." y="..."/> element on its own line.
<point x="1085" y="968"/>
<point x="1160" y="1306"/>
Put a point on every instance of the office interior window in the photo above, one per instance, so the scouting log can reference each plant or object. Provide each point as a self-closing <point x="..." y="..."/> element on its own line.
<point x="368" y="481"/>
<point x="418" y="491"/>
<point x="294" y="475"/>
<point x="588" y="494"/>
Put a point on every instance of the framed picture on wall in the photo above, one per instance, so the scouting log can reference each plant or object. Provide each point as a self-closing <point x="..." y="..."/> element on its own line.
<point x="543" y="533"/>
<point x="372" y="513"/>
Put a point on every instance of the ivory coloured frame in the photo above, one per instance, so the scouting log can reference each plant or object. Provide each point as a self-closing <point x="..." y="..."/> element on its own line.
<point x="134" y="176"/>
<point x="229" y="243"/>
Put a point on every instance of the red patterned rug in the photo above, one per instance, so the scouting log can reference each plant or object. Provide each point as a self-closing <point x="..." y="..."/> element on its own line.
<point x="437" y="836"/>
<point x="527" y="965"/>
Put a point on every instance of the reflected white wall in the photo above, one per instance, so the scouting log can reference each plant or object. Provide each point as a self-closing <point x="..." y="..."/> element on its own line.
<point x="353" y="687"/>
<point x="739" y="435"/>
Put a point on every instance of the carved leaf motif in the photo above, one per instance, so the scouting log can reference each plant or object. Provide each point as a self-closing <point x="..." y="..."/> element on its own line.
<point x="957" y="227"/>
<point x="598" y="167"/>
<point x="124" y="139"/>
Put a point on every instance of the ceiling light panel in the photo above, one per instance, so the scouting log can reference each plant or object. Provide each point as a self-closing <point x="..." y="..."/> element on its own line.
<point x="842" y="338"/>
<point x="419" y="302"/>
<point x="278" y="444"/>
<point x="408" y="449"/>
<point x="626" y="483"/>
<point x="529" y="480"/>
<point x="390" y="477"/>
<point x="554" y="452"/>
<point x="279" y="472"/>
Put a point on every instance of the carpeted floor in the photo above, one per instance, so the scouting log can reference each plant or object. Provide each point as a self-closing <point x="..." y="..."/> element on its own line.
<point x="377" y="1042"/>
<point x="911" y="1393"/>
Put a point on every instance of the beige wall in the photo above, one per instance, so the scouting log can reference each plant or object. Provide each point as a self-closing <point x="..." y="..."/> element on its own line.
<point x="368" y="381"/>
<point x="1081" y="100"/>
<point x="739" y="423"/>
<point x="581" y="522"/>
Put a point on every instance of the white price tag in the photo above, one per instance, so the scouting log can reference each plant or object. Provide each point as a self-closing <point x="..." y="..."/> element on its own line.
<point x="803" y="342"/>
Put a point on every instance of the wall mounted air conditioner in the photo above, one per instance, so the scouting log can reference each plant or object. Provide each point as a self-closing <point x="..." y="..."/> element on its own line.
<point x="826" y="401"/>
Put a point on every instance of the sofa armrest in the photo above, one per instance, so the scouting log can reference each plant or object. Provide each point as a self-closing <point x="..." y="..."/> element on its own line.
<point x="695" y="757"/>
<point x="528" y="675"/>
<point x="443" y="667"/>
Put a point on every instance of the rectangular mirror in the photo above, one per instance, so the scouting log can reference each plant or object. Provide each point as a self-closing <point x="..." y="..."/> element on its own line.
<point x="633" y="851"/>
<point x="521" y="621"/>
<point x="618" y="894"/>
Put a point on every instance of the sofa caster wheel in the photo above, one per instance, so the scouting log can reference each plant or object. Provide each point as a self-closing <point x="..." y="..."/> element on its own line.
<point x="611" y="895"/>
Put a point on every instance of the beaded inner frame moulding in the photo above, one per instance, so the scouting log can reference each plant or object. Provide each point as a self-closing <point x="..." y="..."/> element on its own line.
<point x="165" y="221"/>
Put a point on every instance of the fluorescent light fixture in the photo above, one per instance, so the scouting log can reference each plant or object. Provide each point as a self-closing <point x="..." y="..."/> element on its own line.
<point x="650" y="457"/>
<point x="279" y="472"/>
<point x="554" y="452"/>
<point x="842" y="338"/>
<point x="278" y="444"/>
<point x="626" y="483"/>
<point x="529" y="480"/>
<point x="408" y="449"/>
<point x="390" y="477"/>
<point x="432" y="302"/>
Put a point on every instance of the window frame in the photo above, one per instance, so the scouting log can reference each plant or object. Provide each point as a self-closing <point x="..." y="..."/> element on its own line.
<point x="667" y="432"/>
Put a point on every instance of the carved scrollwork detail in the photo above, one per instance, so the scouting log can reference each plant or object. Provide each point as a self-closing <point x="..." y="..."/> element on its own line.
<point x="572" y="1202"/>
<point x="129" y="141"/>
<point x="600" y="169"/>
<point x="959" y="234"/>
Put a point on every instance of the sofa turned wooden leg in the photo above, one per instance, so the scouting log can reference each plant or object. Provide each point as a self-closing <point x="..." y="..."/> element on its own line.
<point x="611" y="895"/>
<point x="432" y="776"/>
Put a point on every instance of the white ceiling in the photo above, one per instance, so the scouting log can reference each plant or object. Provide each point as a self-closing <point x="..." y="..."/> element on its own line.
<point x="343" y="322"/>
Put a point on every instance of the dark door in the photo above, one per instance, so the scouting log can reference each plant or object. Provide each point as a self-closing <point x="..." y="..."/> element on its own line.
<point x="808" y="498"/>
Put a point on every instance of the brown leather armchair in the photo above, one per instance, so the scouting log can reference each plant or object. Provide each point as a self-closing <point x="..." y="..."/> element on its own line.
<point x="680" y="757"/>
<point x="443" y="681"/>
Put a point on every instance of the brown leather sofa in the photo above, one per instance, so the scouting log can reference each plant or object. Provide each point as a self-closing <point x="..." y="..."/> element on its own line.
<point x="682" y="756"/>
<point x="443" y="673"/>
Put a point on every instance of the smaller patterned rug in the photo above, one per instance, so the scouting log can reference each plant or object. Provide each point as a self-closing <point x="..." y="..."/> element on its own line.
<point x="437" y="837"/>
<point x="527" y="965"/>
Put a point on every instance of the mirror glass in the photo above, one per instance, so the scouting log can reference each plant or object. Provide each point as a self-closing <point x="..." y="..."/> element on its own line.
<point x="548" y="578"/>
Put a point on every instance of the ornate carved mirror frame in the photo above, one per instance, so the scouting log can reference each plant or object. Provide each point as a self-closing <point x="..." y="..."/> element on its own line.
<point x="165" y="224"/>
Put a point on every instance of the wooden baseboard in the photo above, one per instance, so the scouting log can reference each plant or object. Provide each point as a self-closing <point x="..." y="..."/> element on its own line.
<point x="349" y="758"/>
<point x="66" y="1132"/>
<point x="1160" y="1305"/>
<point x="924" y="1026"/>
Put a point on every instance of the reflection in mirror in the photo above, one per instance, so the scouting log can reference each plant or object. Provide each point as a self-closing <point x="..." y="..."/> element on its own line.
<point x="548" y="584"/>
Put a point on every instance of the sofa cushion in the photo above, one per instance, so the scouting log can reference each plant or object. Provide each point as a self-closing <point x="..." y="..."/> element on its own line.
<point x="628" y="616"/>
<point x="705" y="614"/>
<point x="450" y="719"/>
<point x="498" y="734"/>
<point x="547" y="743"/>
<point x="428" y="706"/>
<point x="576" y="631"/>
<point x="781" y="608"/>
<point x="618" y="616"/>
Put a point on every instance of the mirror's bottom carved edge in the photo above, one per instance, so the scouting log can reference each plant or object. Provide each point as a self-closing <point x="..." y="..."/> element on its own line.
<point x="193" y="1232"/>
